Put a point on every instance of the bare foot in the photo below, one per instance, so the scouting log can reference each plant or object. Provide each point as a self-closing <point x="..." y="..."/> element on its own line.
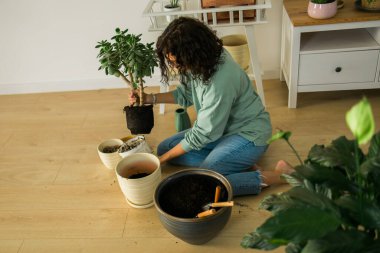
<point x="274" y="176"/>
<point x="284" y="167"/>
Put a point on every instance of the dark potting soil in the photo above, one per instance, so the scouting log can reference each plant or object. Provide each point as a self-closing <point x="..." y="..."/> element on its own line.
<point x="184" y="197"/>
<point x="110" y="149"/>
<point x="140" y="119"/>
<point x="138" y="175"/>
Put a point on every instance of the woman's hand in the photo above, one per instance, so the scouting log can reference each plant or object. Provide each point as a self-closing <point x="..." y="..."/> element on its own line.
<point x="174" y="152"/>
<point x="134" y="97"/>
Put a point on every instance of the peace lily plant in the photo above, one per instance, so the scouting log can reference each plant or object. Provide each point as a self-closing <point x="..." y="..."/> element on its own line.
<point x="334" y="203"/>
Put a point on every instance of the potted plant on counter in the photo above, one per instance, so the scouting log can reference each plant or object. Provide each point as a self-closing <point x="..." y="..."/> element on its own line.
<point x="370" y="4"/>
<point x="322" y="9"/>
<point x="127" y="57"/>
<point x="171" y="7"/>
<point x="334" y="205"/>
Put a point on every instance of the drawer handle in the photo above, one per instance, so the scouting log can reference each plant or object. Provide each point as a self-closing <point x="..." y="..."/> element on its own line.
<point x="338" y="69"/>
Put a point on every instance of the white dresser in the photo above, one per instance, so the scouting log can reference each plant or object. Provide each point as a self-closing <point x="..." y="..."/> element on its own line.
<point x="341" y="53"/>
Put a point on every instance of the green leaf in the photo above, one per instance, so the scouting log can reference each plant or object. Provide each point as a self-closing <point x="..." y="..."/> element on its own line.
<point x="330" y="177"/>
<point x="361" y="122"/>
<point x="277" y="202"/>
<point x="372" y="247"/>
<point x="255" y="241"/>
<point x="293" y="248"/>
<point x="341" y="153"/>
<point x="280" y="135"/>
<point x="374" y="147"/>
<point x="339" y="241"/>
<point x="366" y="213"/>
<point x="299" y="225"/>
<point x="314" y="199"/>
<point x="371" y="168"/>
<point x="292" y="179"/>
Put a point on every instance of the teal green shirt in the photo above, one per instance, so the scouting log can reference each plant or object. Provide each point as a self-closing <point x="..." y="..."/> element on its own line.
<point x="226" y="105"/>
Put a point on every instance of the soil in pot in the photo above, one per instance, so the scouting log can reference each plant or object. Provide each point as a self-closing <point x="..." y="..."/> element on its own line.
<point x="138" y="169"/>
<point x="140" y="119"/>
<point x="185" y="197"/>
<point x="110" y="149"/>
<point x="129" y="145"/>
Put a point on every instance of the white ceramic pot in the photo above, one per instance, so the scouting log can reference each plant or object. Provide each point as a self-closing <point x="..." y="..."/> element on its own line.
<point x="237" y="46"/>
<point x="110" y="160"/>
<point x="170" y="18"/>
<point x="143" y="147"/>
<point x="139" y="191"/>
<point x="322" y="11"/>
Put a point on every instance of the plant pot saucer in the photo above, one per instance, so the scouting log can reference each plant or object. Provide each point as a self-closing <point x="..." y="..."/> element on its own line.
<point x="139" y="206"/>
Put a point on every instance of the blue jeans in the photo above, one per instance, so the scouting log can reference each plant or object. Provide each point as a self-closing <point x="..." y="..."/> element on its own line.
<point x="232" y="156"/>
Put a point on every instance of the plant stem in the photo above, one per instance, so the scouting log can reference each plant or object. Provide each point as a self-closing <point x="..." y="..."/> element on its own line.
<point x="125" y="79"/>
<point x="141" y="84"/>
<point x="359" y="179"/>
<point x="295" y="152"/>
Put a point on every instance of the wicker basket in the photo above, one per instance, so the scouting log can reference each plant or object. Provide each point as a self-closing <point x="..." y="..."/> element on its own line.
<point x="248" y="14"/>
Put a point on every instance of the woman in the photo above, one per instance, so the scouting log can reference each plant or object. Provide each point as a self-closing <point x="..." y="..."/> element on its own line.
<point x="230" y="133"/>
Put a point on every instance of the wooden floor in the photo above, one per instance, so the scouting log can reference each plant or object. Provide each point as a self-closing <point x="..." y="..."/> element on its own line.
<point x="56" y="195"/>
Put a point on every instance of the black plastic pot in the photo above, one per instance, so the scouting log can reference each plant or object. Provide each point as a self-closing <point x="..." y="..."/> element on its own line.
<point x="140" y="119"/>
<point x="181" y="196"/>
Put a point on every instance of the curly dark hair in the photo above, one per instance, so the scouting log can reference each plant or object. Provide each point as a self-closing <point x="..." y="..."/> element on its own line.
<point x="196" y="47"/>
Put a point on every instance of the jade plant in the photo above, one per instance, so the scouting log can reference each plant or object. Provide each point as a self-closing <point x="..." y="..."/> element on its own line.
<point x="334" y="203"/>
<point x="127" y="57"/>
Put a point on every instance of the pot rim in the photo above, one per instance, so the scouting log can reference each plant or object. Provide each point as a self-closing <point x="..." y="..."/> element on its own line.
<point x="198" y="171"/>
<point x="143" y="155"/>
<point x="103" y="144"/>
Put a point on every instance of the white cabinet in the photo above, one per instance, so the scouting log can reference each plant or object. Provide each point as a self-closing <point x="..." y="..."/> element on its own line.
<point x="323" y="55"/>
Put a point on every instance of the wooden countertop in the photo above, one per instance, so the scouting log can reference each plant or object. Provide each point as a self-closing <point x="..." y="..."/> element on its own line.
<point x="297" y="11"/>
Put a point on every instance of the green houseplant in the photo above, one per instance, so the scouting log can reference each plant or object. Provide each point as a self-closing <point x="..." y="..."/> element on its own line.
<point x="173" y="5"/>
<point x="322" y="9"/>
<point x="371" y="4"/>
<point x="334" y="204"/>
<point x="127" y="57"/>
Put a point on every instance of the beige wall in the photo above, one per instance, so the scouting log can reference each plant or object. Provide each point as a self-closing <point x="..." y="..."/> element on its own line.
<point x="48" y="45"/>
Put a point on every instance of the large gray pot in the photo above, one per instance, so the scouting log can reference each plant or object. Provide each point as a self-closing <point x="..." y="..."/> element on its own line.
<point x="180" y="197"/>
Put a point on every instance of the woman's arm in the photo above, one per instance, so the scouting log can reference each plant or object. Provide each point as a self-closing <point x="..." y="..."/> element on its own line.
<point x="161" y="98"/>
<point x="164" y="98"/>
<point x="174" y="152"/>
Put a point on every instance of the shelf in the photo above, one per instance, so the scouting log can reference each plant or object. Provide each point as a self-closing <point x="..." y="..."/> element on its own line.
<point x="337" y="41"/>
<point x="154" y="10"/>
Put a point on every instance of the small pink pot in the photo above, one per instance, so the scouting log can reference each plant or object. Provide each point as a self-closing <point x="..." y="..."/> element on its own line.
<point x="322" y="11"/>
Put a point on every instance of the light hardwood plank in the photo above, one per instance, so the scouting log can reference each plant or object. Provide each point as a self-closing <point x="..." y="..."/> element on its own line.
<point x="62" y="197"/>
<point x="37" y="224"/>
<point x="141" y="245"/>
<point x="10" y="246"/>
